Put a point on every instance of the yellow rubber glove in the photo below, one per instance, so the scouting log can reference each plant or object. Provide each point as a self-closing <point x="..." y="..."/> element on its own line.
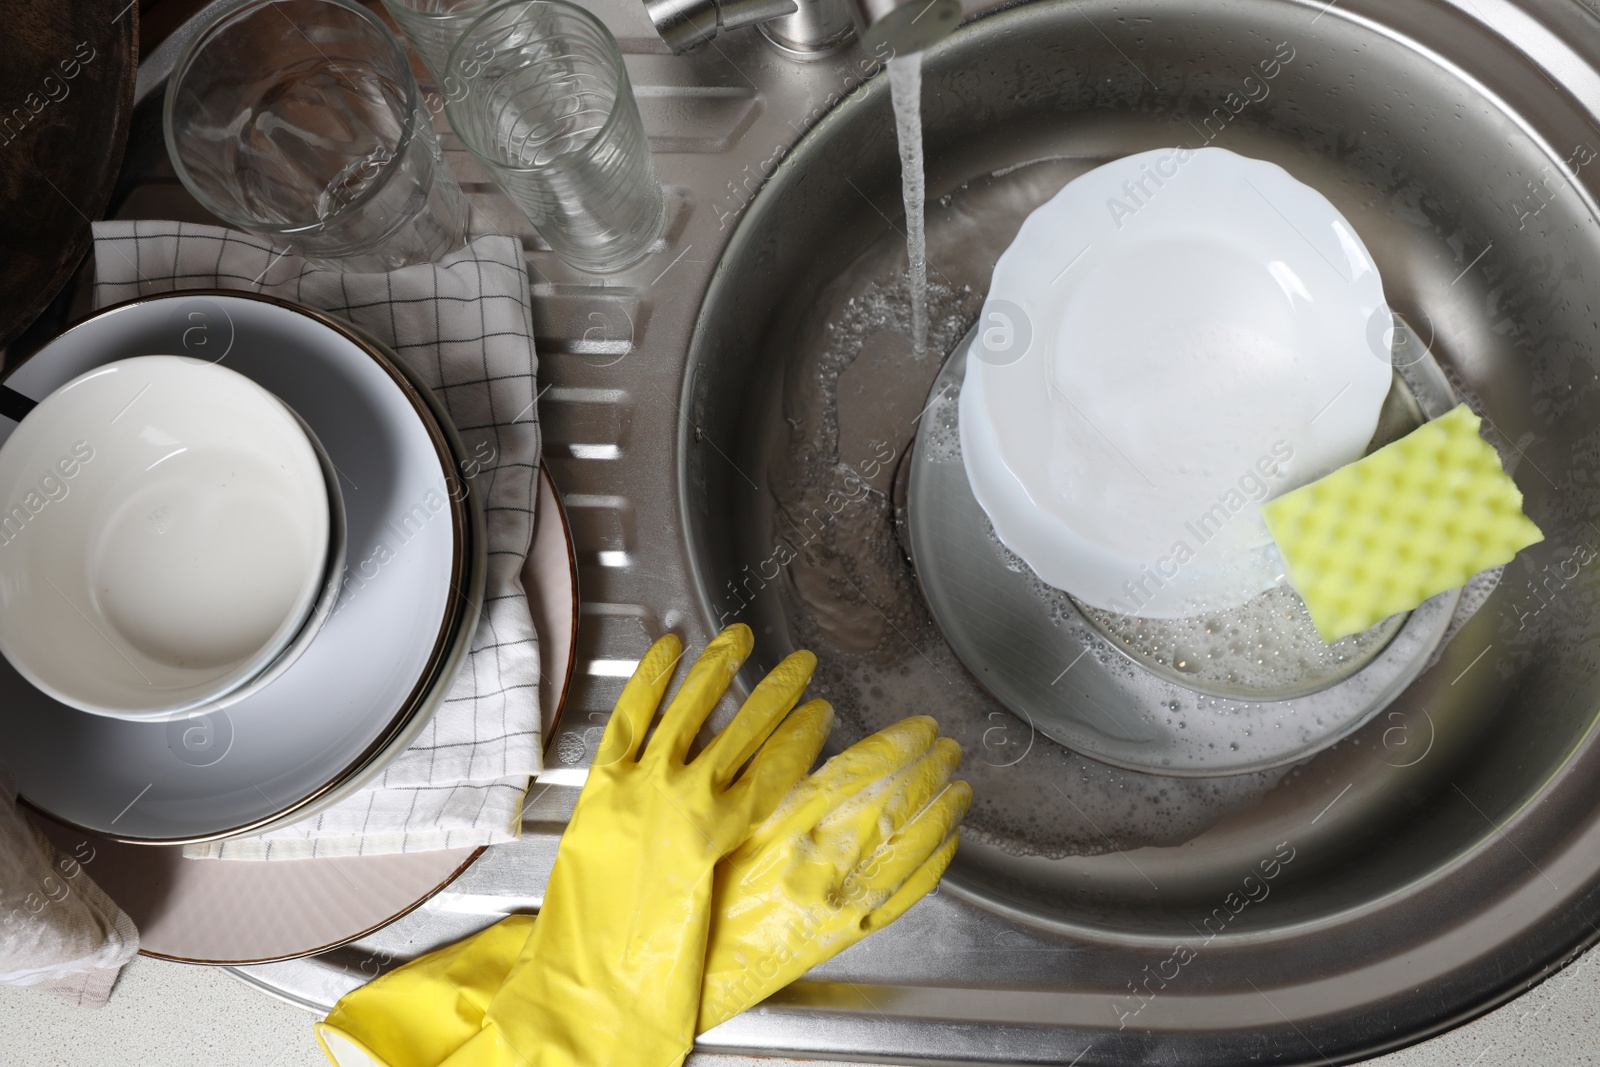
<point x="406" y="1017"/>
<point x="418" y="1014"/>
<point x="846" y="853"/>
<point x="610" y="974"/>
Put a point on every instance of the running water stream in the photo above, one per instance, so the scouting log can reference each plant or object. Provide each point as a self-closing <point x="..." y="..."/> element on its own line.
<point x="905" y="86"/>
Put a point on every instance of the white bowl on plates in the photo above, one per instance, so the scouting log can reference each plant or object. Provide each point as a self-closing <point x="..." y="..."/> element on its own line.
<point x="367" y="684"/>
<point x="1173" y="338"/>
<point x="164" y="534"/>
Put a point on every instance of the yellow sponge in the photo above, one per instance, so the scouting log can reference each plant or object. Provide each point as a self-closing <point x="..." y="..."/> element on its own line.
<point x="1416" y="517"/>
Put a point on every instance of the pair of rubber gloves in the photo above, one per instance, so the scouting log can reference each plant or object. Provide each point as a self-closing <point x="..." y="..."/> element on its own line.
<point x="684" y="891"/>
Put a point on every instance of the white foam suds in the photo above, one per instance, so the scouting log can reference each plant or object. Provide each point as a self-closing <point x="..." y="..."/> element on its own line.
<point x="1267" y="647"/>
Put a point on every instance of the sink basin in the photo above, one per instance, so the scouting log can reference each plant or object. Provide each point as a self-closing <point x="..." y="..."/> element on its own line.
<point x="1434" y="863"/>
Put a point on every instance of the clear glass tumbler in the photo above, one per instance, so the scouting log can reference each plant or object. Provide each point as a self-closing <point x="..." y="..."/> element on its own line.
<point x="432" y="27"/>
<point x="537" y="91"/>
<point x="299" y="120"/>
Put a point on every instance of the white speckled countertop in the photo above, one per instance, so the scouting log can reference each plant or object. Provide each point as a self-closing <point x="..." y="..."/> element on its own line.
<point x="175" y="1015"/>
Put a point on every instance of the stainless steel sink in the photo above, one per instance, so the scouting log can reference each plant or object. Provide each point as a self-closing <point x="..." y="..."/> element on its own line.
<point x="1441" y="861"/>
<point x="1379" y="890"/>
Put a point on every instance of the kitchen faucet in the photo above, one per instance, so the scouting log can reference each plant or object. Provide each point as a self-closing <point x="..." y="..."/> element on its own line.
<point x="809" y="29"/>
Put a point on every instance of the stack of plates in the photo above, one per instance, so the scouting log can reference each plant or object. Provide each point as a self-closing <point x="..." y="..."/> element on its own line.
<point x="368" y="682"/>
<point x="248" y="912"/>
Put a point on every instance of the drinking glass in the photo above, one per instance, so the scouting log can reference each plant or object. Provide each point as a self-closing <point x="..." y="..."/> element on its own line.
<point x="433" y="26"/>
<point x="537" y="91"/>
<point x="299" y="120"/>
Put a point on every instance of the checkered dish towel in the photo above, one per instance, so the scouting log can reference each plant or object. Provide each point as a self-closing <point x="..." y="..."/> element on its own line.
<point x="464" y="325"/>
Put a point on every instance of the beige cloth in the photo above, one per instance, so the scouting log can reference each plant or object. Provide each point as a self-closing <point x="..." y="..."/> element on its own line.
<point x="58" y="931"/>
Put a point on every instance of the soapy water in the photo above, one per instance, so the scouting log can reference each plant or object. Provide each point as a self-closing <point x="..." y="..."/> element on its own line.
<point x="1181" y="722"/>
<point x="1267" y="648"/>
<point x="851" y="595"/>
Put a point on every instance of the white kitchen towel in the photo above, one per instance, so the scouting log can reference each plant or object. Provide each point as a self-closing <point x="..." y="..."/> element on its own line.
<point x="465" y="326"/>
<point x="59" y="932"/>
